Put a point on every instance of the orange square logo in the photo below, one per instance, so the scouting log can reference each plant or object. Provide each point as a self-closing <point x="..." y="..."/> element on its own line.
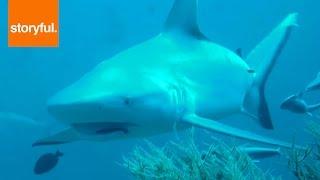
<point x="33" y="23"/>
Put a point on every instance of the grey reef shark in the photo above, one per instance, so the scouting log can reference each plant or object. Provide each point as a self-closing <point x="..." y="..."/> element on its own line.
<point x="175" y="80"/>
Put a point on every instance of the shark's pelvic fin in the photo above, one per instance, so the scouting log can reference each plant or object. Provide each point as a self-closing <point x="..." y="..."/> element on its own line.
<point x="183" y="18"/>
<point x="262" y="59"/>
<point x="231" y="131"/>
<point x="66" y="136"/>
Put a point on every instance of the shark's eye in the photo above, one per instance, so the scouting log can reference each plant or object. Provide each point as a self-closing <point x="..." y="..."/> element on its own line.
<point x="127" y="101"/>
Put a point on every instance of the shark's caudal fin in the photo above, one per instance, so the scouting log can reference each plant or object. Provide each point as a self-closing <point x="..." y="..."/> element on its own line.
<point x="231" y="131"/>
<point x="262" y="59"/>
<point x="183" y="18"/>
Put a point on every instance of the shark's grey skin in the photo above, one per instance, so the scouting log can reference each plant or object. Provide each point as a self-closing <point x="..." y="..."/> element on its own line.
<point x="296" y="104"/>
<point x="174" y="80"/>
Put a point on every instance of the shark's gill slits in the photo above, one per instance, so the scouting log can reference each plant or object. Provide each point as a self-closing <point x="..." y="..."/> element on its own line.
<point x="178" y="98"/>
<point x="173" y="96"/>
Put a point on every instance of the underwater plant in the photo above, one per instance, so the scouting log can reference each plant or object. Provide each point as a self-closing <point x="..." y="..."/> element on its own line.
<point x="185" y="160"/>
<point x="305" y="163"/>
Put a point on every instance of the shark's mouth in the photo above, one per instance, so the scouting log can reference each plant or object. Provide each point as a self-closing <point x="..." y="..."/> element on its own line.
<point x="103" y="128"/>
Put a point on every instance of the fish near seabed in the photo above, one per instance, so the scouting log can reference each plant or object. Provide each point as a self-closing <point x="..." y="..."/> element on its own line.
<point x="296" y="104"/>
<point x="255" y="153"/>
<point x="175" y="80"/>
<point x="47" y="162"/>
<point x="314" y="84"/>
<point x="258" y="153"/>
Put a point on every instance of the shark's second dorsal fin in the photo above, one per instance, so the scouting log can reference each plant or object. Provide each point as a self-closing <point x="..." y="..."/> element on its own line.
<point x="183" y="17"/>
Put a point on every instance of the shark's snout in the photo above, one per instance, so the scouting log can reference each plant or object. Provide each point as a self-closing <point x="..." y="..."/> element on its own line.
<point x="73" y="106"/>
<point x="80" y="111"/>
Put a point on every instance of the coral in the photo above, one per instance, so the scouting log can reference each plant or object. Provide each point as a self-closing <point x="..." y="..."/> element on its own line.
<point x="185" y="160"/>
<point x="305" y="163"/>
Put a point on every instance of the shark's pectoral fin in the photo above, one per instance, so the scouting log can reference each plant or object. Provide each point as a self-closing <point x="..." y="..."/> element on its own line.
<point x="66" y="136"/>
<point x="231" y="131"/>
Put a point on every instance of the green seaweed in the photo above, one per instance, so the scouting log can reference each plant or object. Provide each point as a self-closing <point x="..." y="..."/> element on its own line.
<point x="185" y="160"/>
<point x="305" y="163"/>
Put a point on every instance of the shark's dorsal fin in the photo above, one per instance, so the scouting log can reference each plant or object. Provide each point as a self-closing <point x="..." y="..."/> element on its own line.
<point x="183" y="17"/>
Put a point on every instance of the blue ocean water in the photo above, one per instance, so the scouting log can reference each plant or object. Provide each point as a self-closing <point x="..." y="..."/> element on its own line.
<point x="91" y="31"/>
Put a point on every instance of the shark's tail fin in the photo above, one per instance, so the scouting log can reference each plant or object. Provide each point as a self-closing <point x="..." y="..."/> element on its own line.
<point x="262" y="59"/>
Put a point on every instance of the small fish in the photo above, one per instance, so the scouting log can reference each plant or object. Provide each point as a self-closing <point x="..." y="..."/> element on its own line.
<point x="47" y="162"/>
<point x="258" y="153"/>
<point x="296" y="104"/>
<point x="314" y="85"/>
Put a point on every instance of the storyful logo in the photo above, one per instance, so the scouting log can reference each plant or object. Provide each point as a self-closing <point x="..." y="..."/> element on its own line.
<point x="33" y="23"/>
